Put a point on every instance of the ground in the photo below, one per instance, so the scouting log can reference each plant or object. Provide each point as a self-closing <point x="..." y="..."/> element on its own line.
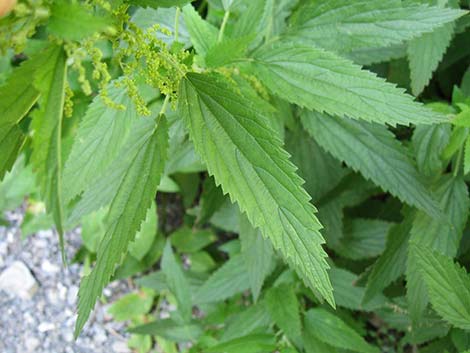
<point x="44" y="323"/>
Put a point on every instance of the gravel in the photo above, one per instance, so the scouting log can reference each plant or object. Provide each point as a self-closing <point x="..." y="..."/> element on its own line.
<point x="44" y="323"/>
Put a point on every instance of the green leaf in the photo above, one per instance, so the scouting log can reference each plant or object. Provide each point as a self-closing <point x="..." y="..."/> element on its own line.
<point x="145" y="237"/>
<point x="443" y="237"/>
<point x="319" y="169"/>
<point x="364" y="238"/>
<point x="18" y="183"/>
<point x="165" y="17"/>
<point x="132" y="305"/>
<point x="101" y="134"/>
<point x="171" y="330"/>
<point x="226" y="52"/>
<point x="212" y="199"/>
<point x="230" y="279"/>
<point x="440" y="236"/>
<point x="346" y="26"/>
<point x="189" y="240"/>
<point x="11" y="141"/>
<point x="258" y="255"/>
<point x="466" y="160"/>
<point x="50" y="80"/>
<point x="246" y="321"/>
<point x="428" y="144"/>
<point x="313" y="344"/>
<point x="425" y="53"/>
<point x="316" y="79"/>
<point x="75" y="21"/>
<point x="457" y="139"/>
<point x="333" y="331"/>
<point x="255" y="343"/>
<point x="392" y="263"/>
<point x="349" y="294"/>
<point x="351" y="191"/>
<point x="158" y="3"/>
<point x="176" y="281"/>
<point x="246" y="158"/>
<point x="448" y="285"/>
<point x="136" y="190"/>
<point x="378" y="156"/>
<point x="17" y="96"/>
<point x="284" y="309"/>
<point x="203" y="34"/>
<point x="262" y="19"/>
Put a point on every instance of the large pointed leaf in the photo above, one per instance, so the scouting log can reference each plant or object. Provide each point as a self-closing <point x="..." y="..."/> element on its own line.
<point x="378" y="156"/>
<point x="47" y="137"/>
<point x="246" y="158"/>
<point x="344" y="26"/>
<point x="322" y="81"/>
<point x="136" y="190"/>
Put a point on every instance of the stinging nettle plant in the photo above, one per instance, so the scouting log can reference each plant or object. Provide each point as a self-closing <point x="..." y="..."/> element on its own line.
<point x="107" y="100"/>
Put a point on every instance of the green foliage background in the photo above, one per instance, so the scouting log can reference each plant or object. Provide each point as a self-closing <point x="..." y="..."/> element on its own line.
<point x="290" y="175"/>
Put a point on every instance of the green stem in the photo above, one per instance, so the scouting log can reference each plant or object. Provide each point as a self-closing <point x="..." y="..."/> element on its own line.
<point x="222" y="27"/>
<point x="458" y="161"/>
<point x="165" y="105"/>
<point x="177" y="22"/>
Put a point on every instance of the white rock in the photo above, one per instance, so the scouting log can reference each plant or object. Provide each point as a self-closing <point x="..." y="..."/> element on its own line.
<point x="49" y="267"/>
<point x="46" y="326"/>
<point x="120" y="347"/>
<point x="31" y="343"/>
<point x="18" y="280"/>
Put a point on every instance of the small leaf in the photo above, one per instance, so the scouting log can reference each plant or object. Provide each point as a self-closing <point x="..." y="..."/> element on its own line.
<point x="443" y="237"/>
<point x="176" y="281"/>
<point x="255" y="343"/>
<point x="392" y="263"/>
<point x="17" y="96"/>
<point x="145" y="237"/>
<point x="258" y="254"/>
<point x="428" y="143"/>
<point x="171" y="330"/>
<point x="364" y="238"/>
<point x="425" y="53"/>
<point x="284" y="309"/>
<point x="203" y="34"/>
<point x="74" y="21"/>
<point x="448" y="285"/>
<point x="189" y="240"/>
<point x="333" y="331"/>
<point x="230" y="279"/>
